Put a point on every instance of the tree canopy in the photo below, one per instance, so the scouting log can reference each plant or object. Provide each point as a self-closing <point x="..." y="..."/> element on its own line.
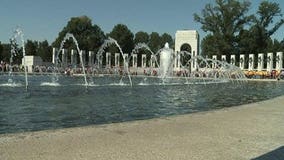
<point x="141" y="37"/>
<point x="1" y="51"/>
<point x="31" y="47"/>
<point x="258" y="37"/>
<point x="232" y="30"/>
<point x="123" y="36"/>
<point x="88" y="35"/>
<point x="223" y="21"/>
<point x="155" y="41"/>
<point x="166" y="38"/>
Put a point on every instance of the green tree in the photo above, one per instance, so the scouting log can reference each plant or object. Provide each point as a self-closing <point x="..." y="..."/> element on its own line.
<point x="155" y="42"/>
<point x="166" y="38"/>
<point x="141" y="37"/>
<point x="6" y="52"/>
<point x="275" y="46"/>
<point x="1" y="50"/>
<point x="258" y="37"/>
<point x="223" y="21"/>
<point x="45" y="51"/>
<point x="267" y="12"/>
<point x="31" y="47"/>
<point x="88" y="36"/>
<point x="123" y="36"/>
<point x="42" y="49"/>
<point x="211" y="49"/>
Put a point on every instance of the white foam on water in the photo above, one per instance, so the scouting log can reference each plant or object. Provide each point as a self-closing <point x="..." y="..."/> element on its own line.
<point x="143" y="84"/>
<point x="93" y="85"/>
<point x="53" y="84"/>
<point x="118" y="84"/>
<point x="169" y="84"/>
<point x="11" y="85"/>
<point x="207" y="82"/>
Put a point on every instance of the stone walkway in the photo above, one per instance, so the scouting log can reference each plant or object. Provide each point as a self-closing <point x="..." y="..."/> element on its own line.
<point x="238" y="133"/>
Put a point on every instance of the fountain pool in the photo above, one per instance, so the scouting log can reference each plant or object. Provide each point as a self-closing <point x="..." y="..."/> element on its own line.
<point x="70" y="101"/>
<point x="70" y="104"/>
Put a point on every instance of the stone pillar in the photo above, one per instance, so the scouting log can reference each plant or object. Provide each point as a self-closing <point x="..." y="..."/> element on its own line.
<point x="260" y="61"/>
<point x="194" y="61"/>
<point x="214" y="58"/>
<point x="279" y="61"/>
<point x="251" y="62"/>
<point x="242" y="61"/>
<point x="134" y="60"/>
<point x="125" y="59"/>
<point x="153" y="62"/>
<point x="73" y="57"/>
<point x="269" y="62"/>
<point x="144" y="59"/>
<point x="233" y="60"/>
<point x="66" y="57"/>
<point x="177" y="60"/>
<point x="63" y="57"/>
<point x="100" y="61"/>
<point x="83" y="54"/>
<point x="91" y="58"/>
<point x="54" y="54"/>
<point x="116" y="59"/>
<point x="224" y="58"/>
<point x="108" y="59"/>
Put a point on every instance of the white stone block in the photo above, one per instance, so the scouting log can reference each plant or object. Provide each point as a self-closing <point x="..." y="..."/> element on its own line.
<point x="117" y="59"/>
<point x="269" y="62"/>
<point x="251" y="62"/>
<point x="279" y="61"/>
<point x="242" y="61"/>
<point x="260" y="62"/>
<point x="144" y="59"/>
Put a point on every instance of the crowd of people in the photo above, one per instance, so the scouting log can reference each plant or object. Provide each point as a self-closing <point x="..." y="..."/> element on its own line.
<point x="94" y="70"/>
<point x="6" y="67"/>
<point x="274" y="74"/>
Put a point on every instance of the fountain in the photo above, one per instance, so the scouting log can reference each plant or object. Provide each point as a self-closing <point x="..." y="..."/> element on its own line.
<point x="206" y="71"/>
<point x="107" y="43"/>
<point x="18" y="34"/>
<point x="139" y="46"/>
<point x="166" y="61"/>
<point x="174" y="90"/>
<point x="153" y="60"/>
<point x="13" y="53"/>
<point x="57" y="60"/>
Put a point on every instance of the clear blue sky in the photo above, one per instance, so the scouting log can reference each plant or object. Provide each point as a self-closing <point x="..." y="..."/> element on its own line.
<point x="44" y="19"/>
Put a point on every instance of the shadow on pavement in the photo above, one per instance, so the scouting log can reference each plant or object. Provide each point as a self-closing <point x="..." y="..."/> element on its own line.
<point x="277" y="154"/>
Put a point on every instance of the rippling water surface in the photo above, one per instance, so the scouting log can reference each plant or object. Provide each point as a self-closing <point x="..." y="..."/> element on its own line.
<point x="68" y="103"/>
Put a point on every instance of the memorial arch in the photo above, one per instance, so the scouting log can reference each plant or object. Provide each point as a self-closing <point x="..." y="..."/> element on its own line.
<point x="186" y="40"/>
<point x="185" y="47"/>
<point x="185" y="58"/>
